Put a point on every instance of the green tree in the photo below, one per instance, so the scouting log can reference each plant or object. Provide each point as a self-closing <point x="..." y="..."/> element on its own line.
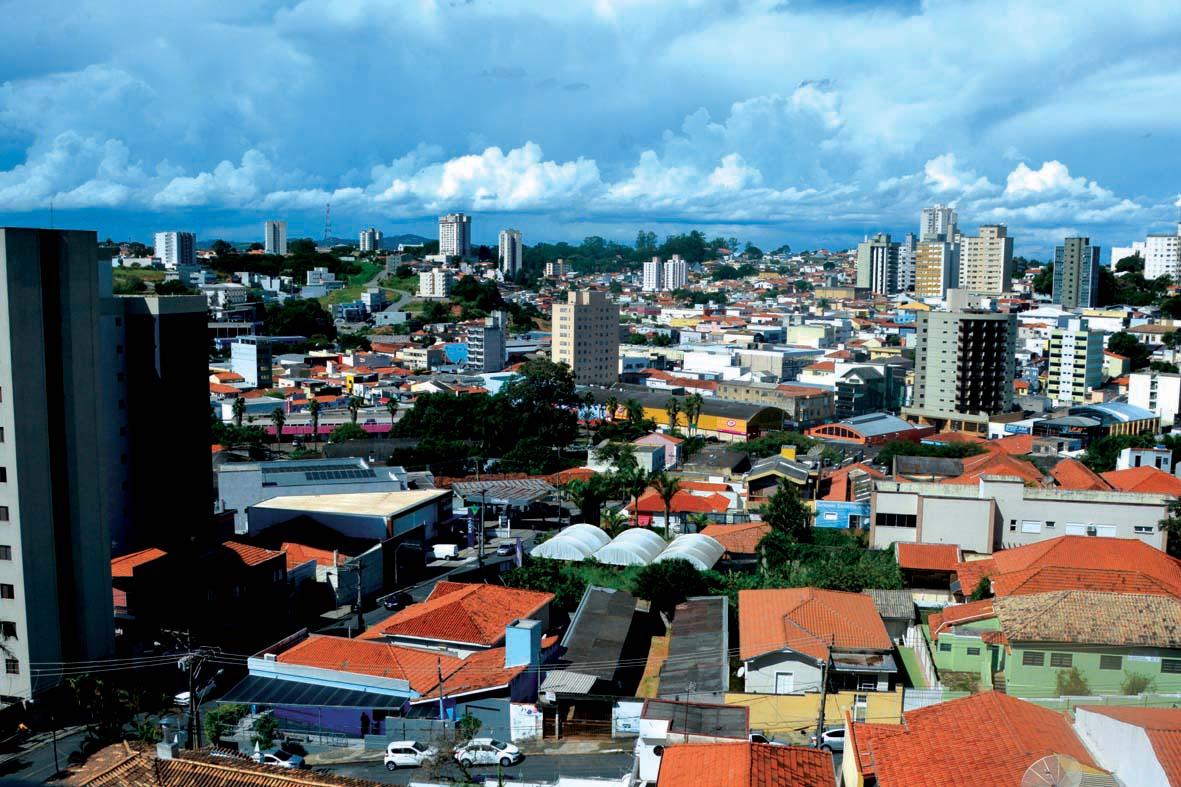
<point x="787" y="513"/>
<point x="467" y="726"/>
<point x="175" y="287"/>
<point x="221" y="719"/>
<point x="1043" y="281"/>
<point x="346" y="432"/>
<point x="1127" y="345"/>
<point x="239" y="409"/>
<point x="298" y="317"/>
<point x="278" y="418"/>
<point x="221" y="248"/>
<point x="264" y="730"/>
<point x="982" y="590"/>
<point x="550" y="576"/>
<point x="668" y="583"/>
<point x="1171" y="524"/>
<point x="299" y="246"/>
<point x="354" y="404"/>
<point x="1101" y="454"/>
<point x="314" y="411"/>
<point x="1136" y="683"/>
<point x="614" y="522"/>
<point x="1072" y="683"/>
<point x="530" y="455"/>
<point x="1133" y="264"/>
<point x="586" y="496"/>
<point x="667" y="487"/>
<point x="672" y="409"/>
<point x="693" y="405"/>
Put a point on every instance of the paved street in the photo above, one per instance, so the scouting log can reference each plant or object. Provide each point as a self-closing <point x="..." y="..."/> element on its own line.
<point x="538" y="767"/>
<point x="34" y="764"/>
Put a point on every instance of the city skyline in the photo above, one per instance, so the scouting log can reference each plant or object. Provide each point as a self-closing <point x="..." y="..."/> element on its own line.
<point x="869" y="141"/>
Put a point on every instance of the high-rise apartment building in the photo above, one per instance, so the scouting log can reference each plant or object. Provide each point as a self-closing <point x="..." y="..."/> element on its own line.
<point x="937" y="223"/>
<point x="586" y="336"/>
<point x="964" y="365"/>
<point x="371" y="239"/>
<point x="486" y="345"/>
<point x="936" y="268"/>
<point x="455" y="235"/>
<point x="556" y="269"/>
<point x="653" y="280"/>
<point x="435" y="283"/>
<point x="176" y="248"/>
<point x="251" y="357"/>
<point x="906" y="257"/>
<point x="512" y="254"/>
<point x="1158" y="392"/>
<point x="274" y="237"/>
<point x="1076" y="274"/>
<point x="986" y="260"/>
<point x="676" y="273"/>
<point x="1161" y="252"/>
<point x="60" y="451"/>
<point x="877" y="264"/>
<point x="1075" y="362"/>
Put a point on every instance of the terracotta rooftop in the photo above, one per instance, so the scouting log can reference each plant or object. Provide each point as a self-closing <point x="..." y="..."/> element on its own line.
<point x="250" y="554"/>
<point x="1045" y="579"/>
<point x="809" y="621"/>
<point x="298" y="554"/>
<point x="1086" y="617"/>
<point x="684" y="502"/>
<point x="745" y="764"/>
<point x="738" y="539"/>
<point x="928" y="557"/>
<point x="958" y="614"/>
<point x="125" y="566"/>
<point x="1073" y="474"/>
<point x="1145" y="479"/>
<point x="473" y="614"/>
<point x="983" y="739"/>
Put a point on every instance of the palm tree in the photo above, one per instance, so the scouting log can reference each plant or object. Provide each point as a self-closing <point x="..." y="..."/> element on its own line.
<point x="354" y="405"/>
<point x="672" y="408"/>
<point x="635" y="412"/>
<point x="693" y="403"/>
<point x="314" y="411"/>
<point x="667" y="487"/>
<point x="613" y="522"/>
<point x="632" y="483"/>
<point x="239" y="408"/>
<point x="391" y="406"/>
<point x="612" y="406"/>
<point x="700" y="521"/>
<point x="278" y="418"/>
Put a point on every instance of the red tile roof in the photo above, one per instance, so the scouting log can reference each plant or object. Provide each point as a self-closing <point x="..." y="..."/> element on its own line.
<point x="460" y="612"/>
<point x="808" y="620"/>
<point x="1047" y="579"/>
<point x="1148" y="480"/>
<point x="298" y="554"/>
<point x="1079" y="552"/>
<point x="684" y="502"/>
<point x="1073" y="474"/>
<point x="250" y="554"/>
<point x="1163" y="727"/>
<point x="861" y="739"/>
<point x="996" y="461"/>
<point x="125" y="566"/>
<point x="958" y="614"/>
<point x="928" y="557"/>
<point x="738" y="539"/>
<point x="745" y="765"/>
<point x="984" y="739"/>
<point x="838" y="488"/>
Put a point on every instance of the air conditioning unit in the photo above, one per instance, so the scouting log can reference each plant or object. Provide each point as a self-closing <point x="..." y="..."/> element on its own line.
<point x="1092" y="530"/>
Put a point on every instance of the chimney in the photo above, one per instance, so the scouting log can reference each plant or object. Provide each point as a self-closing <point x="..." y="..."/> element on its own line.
<point x="522" y="643"/>
<point x="166" y="750"/>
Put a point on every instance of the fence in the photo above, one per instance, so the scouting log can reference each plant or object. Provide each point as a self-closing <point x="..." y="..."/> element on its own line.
<point x="914" y="699"/>
<point x="918" y="643"/>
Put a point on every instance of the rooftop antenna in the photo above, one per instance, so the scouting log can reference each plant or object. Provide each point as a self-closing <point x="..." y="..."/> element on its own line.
<point x="327" y="221"/>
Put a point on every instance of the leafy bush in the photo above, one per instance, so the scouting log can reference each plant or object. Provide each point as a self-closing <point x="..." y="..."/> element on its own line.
<point x="265" y="727"/>
<point x="1136" y="683"/>
<point x="1071" y="683"/>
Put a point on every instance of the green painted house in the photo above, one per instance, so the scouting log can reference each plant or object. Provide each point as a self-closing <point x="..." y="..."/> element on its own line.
<point x="1068" y="641"/>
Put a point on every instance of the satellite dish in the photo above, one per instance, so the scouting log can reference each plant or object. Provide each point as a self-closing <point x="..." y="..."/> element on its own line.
<point x="1057" y="770"/>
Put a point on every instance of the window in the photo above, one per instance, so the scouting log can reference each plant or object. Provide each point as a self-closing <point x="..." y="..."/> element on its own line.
<point x="944" y="647"/>
<point x="973" y="651"/>
<point x="1144" y="529"/>
<point x="1061" y="660"/>
<point x="3" y="475"/>
<point x="1" y="434"/>
<point x="12" y="667"/>
<point x="1111" y="662"/>
<point x="7" y="629"/>
<point x="5" y="552"/>
<point x="1033" y="658"/>
<point x="1031" y="526"/>
<point x="1171" y="666"/>
<point x="896" y="520"/>
<point x="1049" y="525"/>
<point x="3" y="513"/>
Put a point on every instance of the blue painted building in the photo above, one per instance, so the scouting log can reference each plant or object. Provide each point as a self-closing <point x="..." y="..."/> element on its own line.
<point x="841" y="514"/>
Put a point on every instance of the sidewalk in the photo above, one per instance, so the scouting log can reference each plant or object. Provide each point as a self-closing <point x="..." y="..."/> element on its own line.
<point x="37" y="740"/>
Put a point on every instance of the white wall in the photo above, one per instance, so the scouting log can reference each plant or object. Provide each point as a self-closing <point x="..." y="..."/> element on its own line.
<point x="761" y="671"/>
<point x="1123" y="749"/>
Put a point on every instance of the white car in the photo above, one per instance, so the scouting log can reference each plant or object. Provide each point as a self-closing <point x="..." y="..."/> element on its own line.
<point x="280" y="759"/>
<point x="832" y="739"/>
<point x="487" y="751"/>
<point x="408" y="754"/>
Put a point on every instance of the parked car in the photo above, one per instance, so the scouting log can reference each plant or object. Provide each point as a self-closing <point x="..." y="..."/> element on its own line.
<point x="396" y="601"/>
<point x="408" y="754"/>
<point x="487" y="751"/>
<point x="832" y="739"/>
<point x="504" y="550"/>
<point x="758" y="737"/>
<point x="280" y="758"/>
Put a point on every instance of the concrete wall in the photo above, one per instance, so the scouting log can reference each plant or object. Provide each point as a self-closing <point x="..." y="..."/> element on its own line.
<point x="776" y="715"/>
<point x="1124" y="749"/>
<point x="761" y="672"/>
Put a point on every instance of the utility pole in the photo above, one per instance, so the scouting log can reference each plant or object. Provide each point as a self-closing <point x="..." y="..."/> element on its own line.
<point x="823" y="694"/>
<point x="439" y="666"/>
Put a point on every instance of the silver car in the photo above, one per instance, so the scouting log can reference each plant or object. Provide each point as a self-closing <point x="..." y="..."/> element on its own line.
<point x="280" y="759"/>
<point x="832" y="739"/>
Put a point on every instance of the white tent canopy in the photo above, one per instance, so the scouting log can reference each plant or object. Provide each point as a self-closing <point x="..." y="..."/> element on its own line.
<point x="634" y="547"/>
<point x="576" y="542"/>
<point x="702" y="551"/>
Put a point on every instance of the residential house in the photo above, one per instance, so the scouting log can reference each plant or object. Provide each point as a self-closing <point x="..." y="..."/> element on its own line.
<point x="928" y="566"/>
<point x="844" y="499"/>
<point x="983" y="739"/>
<point x="896" y="609"/>
<point x="791" y="638"/>
<point x="670" y="444"/>
<point x="766" y="475"/>
<point x="740" y="541"/>
<point x="664" y="724"/>
<point x="697" y="667"/>
<point x="601" y="649"/>
<point x="745" y="764"/>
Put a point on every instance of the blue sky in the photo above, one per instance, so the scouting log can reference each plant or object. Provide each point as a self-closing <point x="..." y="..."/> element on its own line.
<point x="776" y="121"/>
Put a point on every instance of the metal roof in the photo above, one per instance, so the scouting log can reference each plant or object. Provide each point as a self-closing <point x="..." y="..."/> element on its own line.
<point x="895" y="604"/>
<point x="698" y="718"/>
<point x="1114" y="411"/>
<point x="568" y="682"/>
<point x="875" y="424"/>
<point x="255" y="689"/>
<point x="697" y="649"/>
<point x="598" y="631"/>
<point x="519" y="492"/>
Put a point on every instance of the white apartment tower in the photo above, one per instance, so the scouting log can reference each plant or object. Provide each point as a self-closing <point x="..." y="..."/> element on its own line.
<point x="556" y="269"/>
<point x="371" y="239"/>
<point x="1161" y="252"/>
<point x="586" y="336"/>
<point x="937" y="223"/>
<point x="986" y="260"/>
<point x="1075" y="362"/>
<point x="176" y="248"/>
<point x="653" y="275"/>
<point x="59" y="455"/>
<point x="877" y="264"/>
<point x="455" y="235"/>
<point x="511" y="255"/>
<point x="274" y="237"/>
<point x="435" y="283"/>
<point x="906" y="257"/>
<point x="676" y="273"/>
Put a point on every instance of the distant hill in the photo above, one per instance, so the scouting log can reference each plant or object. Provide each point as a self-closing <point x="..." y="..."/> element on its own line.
<point x="393" y="241"/>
